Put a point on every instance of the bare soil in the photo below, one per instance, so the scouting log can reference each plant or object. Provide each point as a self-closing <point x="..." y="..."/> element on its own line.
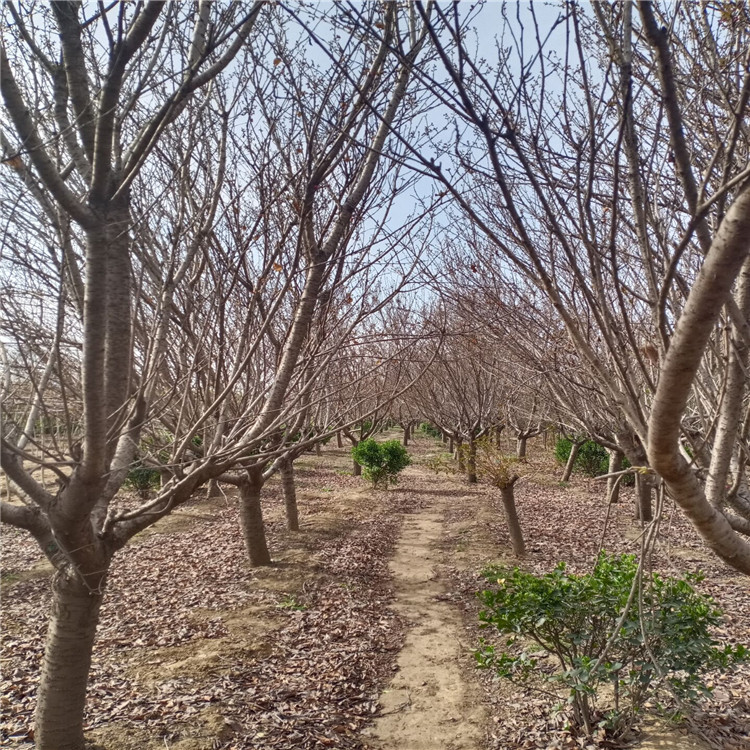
<point x="429" y="703"/>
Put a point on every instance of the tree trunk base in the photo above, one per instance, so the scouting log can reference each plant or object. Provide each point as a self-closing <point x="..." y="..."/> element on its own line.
<point x="61" y="698"/>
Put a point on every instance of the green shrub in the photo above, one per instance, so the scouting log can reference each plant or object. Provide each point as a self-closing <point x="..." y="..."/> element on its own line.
<point x="592" y="459"/>
<point x="142" y="478"/>
<point x="430" y="430"/>
<point x="381" y="462"/>
<point x="573" y="617"/>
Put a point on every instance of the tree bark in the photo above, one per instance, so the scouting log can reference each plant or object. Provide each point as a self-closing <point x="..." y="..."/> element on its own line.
<point x="521" y="446"/>
<point x="339" y="441"/>
<point x="286" y="468"/>
<point x="67" y="659"/>
<point x="574" y="448"/>
<point x="511" y="516"/>
<point x="406" y="435"/>
<point x="251" y="519"/>
<point x="459" y="454"/>
<point x="213" y="489"/>
<point x="471" y="462"/>
<point x="613" y="486"/>
<point x="318" y="451"/>
<point x="643" y="509"/>
<point x="451" y="447"/>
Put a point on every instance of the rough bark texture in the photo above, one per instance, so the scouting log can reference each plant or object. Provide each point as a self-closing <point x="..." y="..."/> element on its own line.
<point x="511" y="516"/>
<point x="251" y="519"/>
<point x="213" y="489"/>
<point x="356" y="469"/>
<point x="406" y="435"/>
<point x="339" y="441"/>
<point x="67" y="660"/>
<point x="286" y="468"/>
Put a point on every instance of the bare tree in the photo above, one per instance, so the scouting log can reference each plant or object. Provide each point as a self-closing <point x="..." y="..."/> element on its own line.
<point x="97" y="105"/>
<point x="614" y="177"/>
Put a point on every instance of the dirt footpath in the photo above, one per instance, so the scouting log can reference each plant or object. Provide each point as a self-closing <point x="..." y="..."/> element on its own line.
<point x="430" y="703"/>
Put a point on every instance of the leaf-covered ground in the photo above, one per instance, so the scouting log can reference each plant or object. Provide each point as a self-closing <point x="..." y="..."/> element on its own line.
<point x="197" y="651"/>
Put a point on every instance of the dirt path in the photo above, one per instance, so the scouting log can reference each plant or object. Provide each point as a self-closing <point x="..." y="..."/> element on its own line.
<point x="430" y="703"/>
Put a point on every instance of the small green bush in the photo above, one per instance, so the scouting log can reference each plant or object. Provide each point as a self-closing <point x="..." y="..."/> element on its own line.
<point x="381" y="462"/>
<point x="573" y="617"/>
<point x="592" y="459"/>
<point x="430" y="430"/>
<point x="142" y="478"/>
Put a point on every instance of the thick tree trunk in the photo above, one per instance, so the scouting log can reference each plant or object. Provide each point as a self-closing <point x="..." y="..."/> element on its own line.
<point x="471" y="462"/>
<point x="574" y="448"/>
<point x="613" y="486"/>
<point x="356" y="469"/>
<point x="643" y="509"/>
<point x="521" y="446"/>
<point x="318" y="451"/>
<point x="251" y="519"/>
<point x="286" y="468"/>
<point x="511" y="516"/>
<point x="339" y="441"/>
<point x="407" y="435"/>
<point x="67" y="659"/>
<point x="213" y="489"/>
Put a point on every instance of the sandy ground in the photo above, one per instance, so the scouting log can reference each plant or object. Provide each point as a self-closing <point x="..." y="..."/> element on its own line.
<point x="430" y="703"/>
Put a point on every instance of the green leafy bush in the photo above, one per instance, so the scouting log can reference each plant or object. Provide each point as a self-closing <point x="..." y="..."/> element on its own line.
<point x="381" y="462"/>
<point x="668" y="644"/>
<point x="592" y="459"/>
<point x="142" y="478"/>
<point x="430" y="430"/>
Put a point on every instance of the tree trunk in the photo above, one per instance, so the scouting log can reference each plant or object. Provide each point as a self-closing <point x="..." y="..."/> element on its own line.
<point x="286" y="468"/>
<point x="613" y="486"/>
<point x="356" y="469"/>
<point x="471" y="462"/>
<point x="521" y="446"/>
<point x="574" y="448"/>
<point x="451" y="447"/>
<point x="339" y="441"/>
<point x="213" y="489"/>
<point x="67" y="659"/>
<point x="406" y="435"/>
<point x="643" y="509"/>
<point x="251" y="519"/>
<point x="511" y="516"/>
<point x="460" y="456"/>
<point x="317" y="449"/>
<point x="497" y="433"/>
